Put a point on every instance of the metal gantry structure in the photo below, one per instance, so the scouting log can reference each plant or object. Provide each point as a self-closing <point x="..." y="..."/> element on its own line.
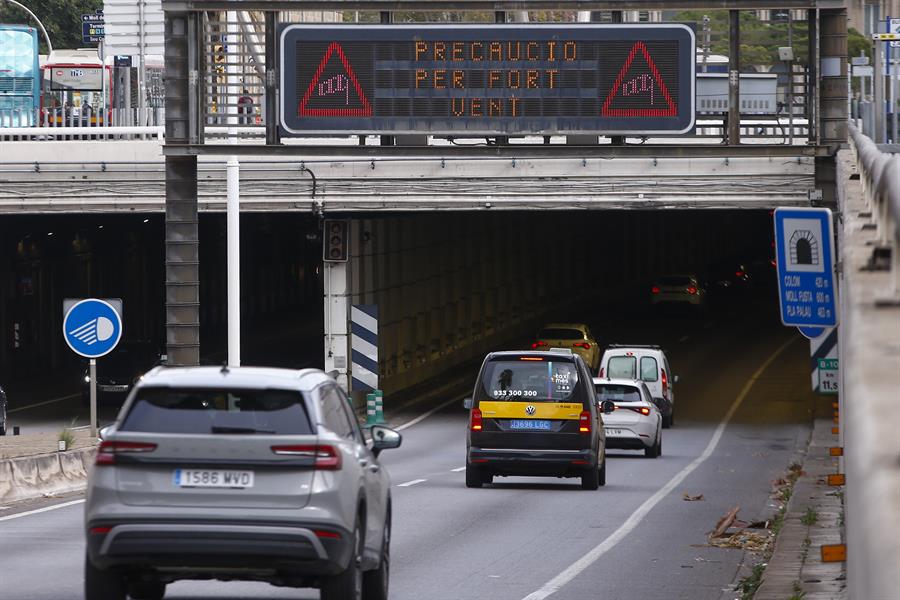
<point x="220" y="52"/>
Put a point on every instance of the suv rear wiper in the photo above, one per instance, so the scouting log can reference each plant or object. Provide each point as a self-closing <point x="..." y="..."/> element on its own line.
<point x="218" y="429"/>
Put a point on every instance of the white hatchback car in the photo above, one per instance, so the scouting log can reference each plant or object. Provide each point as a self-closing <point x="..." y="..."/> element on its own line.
<point x="636" y="423"/>
<point x="645" y="363"/>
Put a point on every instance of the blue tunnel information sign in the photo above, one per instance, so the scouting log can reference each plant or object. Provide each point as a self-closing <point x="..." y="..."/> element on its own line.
<point x="805" y="257"/>
<point x="496" y="79"/>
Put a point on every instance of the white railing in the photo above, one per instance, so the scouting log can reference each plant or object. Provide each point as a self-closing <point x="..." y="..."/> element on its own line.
<point x="60" y="124"/>
<point x="880" y="178"/>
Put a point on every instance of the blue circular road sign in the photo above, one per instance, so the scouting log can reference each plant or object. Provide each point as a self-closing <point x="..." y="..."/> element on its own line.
<point x="92" y="328"/>
<point x="812" y="332"/>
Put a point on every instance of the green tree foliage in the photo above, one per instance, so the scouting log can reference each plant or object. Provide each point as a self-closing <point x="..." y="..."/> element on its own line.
<point x="858" y="44"/>
<point x="759" y="40"/>
<point x="62" y="18"/>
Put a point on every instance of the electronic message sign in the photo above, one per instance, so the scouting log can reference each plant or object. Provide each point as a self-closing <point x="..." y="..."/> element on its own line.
<point x="477" y="79"/>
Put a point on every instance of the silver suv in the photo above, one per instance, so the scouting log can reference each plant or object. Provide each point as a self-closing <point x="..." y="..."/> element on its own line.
<point x="245" y="473"/>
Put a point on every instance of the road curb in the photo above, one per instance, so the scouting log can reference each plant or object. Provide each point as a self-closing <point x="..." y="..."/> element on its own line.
<point x="796" y="568"/>
<point x="30" y="477"/>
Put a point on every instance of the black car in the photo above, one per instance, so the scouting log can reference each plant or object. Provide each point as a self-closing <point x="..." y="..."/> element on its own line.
<point x="535" y="414"/>
<point x="2" y="412"/>
<point x="118" y="370"/>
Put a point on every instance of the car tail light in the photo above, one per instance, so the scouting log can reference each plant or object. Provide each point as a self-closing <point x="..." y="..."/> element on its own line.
<point x="327" y="458"/>
<point x="536" y="345"/>
<point x="601" y="372"/>
<point x="665" y="382"/>
<point x="642" y="410"/>
<point x="692" y="290"/>
<point x="654" y="289"/>
<point x="738" y="273"/>
<point x="107" y="451"/>
<point x="584" y="422"/>
<point x="100" y="530"/>
<point x="334" y="535"/>
<point x="584" y="345"/>
<point x="475" y="424"/>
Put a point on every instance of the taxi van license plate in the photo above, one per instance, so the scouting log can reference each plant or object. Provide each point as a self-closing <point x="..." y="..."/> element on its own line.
<point x="610" y="431"/>
<point x="530" y="424"/>
<point x="212" y="478"/>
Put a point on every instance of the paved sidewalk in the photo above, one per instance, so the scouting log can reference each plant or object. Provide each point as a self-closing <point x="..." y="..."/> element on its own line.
<point x="814" y="517"/>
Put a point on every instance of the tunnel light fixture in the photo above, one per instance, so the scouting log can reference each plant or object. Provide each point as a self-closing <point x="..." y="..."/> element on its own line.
<point x="146" y="220"/>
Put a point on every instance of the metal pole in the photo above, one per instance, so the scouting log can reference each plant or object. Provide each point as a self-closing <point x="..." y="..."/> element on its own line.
<point x="92" y="373"/>
<point x="790" y="65"/>
<point x="878" y="85"/>
<point x="103" y="102"/>
<point x="41" y="25"/>
<point x="617" y="140"/>
<point x="894" y="94"/>
<point x="141" y="73"/>
<point x="233" y="205"/>
<point x="734" y="78"/>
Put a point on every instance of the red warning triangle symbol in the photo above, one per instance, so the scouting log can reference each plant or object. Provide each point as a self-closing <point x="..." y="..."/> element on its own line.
<point x="333" y="88"/>
<point x="642" y="84"/>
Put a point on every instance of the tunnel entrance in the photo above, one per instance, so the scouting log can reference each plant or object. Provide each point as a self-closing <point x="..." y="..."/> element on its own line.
<point x="452" y="286"/>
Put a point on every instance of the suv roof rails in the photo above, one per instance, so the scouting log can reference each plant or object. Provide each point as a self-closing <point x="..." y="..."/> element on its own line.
<point x="649" y="346"/>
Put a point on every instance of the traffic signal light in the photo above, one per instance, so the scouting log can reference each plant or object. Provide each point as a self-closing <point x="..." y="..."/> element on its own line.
<point x="335" y="240"/>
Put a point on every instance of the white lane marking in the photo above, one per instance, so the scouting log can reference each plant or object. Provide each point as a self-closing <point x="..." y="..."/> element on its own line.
<point x="422" y="417"/>
<point x="41" y="510"/>
<point x="411" y="483"/>
<point x="458" y="469"/>
<point x="576" y="568"/>
<point x="684" y="338"/>
<point x="44" y="403"/>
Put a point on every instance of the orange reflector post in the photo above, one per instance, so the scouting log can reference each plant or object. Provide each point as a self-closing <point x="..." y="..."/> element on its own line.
<point x="835" y="430"/>
<point x="834" y="553"/>
<point x="837" y="479"/>
<point x="836" y="419"/>
<point x="834" y="405"/>
<point x="836" y="451"/>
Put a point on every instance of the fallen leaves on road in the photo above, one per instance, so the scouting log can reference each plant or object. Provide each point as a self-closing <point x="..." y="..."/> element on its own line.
<point x="742" y="539"/>
<point x="690" y="498"/>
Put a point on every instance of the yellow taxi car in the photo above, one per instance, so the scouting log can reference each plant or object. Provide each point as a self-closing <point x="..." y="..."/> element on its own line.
<point x="535" y="414"/>
<point x="575" y="336"/>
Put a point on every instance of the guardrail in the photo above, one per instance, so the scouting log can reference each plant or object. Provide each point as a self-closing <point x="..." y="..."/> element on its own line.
<point x="880" y="178"/>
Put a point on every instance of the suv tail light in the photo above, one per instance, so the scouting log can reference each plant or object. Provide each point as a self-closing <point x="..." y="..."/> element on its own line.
<point x="584" y="345"/>
<point x="601" y="372"/>
<point x="327" y="458"/>
<point x="536" y="345"/>
<point x="107" y="451"/>
<point x="665" y="382"/>
<point x="584" y="423"/>
<point x="475" y="425"/>
<point x="643" y="410"/>
<point x="654" y="289"/>
<point x="692" y="290"/>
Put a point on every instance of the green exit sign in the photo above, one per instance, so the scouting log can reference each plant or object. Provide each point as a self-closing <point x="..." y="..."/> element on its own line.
<point x="828" y="364"/>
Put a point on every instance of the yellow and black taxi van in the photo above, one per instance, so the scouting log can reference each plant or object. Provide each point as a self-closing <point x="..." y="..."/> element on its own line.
<point x="535" y="413"/>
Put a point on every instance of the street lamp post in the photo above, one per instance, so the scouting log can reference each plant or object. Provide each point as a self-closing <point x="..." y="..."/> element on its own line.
<point x="41" y="25"/>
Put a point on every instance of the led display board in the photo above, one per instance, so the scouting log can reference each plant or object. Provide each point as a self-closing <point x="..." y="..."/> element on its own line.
<point x="487" y="79"/>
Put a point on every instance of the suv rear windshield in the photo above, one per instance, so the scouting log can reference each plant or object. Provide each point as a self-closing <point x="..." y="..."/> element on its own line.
<point x="168" y="410"/>
<point x="531" y="380"/>
<point x="556" y="333"/>
<point x="621" y="367"/>
<point x="618" y="393"/>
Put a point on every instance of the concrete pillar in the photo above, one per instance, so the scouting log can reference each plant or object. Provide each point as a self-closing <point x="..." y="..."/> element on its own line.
<point x="182" y="262"/>
<point x="182" y="231"/>
<point x="833" y="76"/>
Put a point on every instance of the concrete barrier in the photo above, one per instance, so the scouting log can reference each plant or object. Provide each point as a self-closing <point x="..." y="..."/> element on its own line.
<point x="28" y="477"/>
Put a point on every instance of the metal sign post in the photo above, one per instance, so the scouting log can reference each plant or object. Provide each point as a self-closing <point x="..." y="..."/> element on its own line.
<point x="92" y="328"/>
